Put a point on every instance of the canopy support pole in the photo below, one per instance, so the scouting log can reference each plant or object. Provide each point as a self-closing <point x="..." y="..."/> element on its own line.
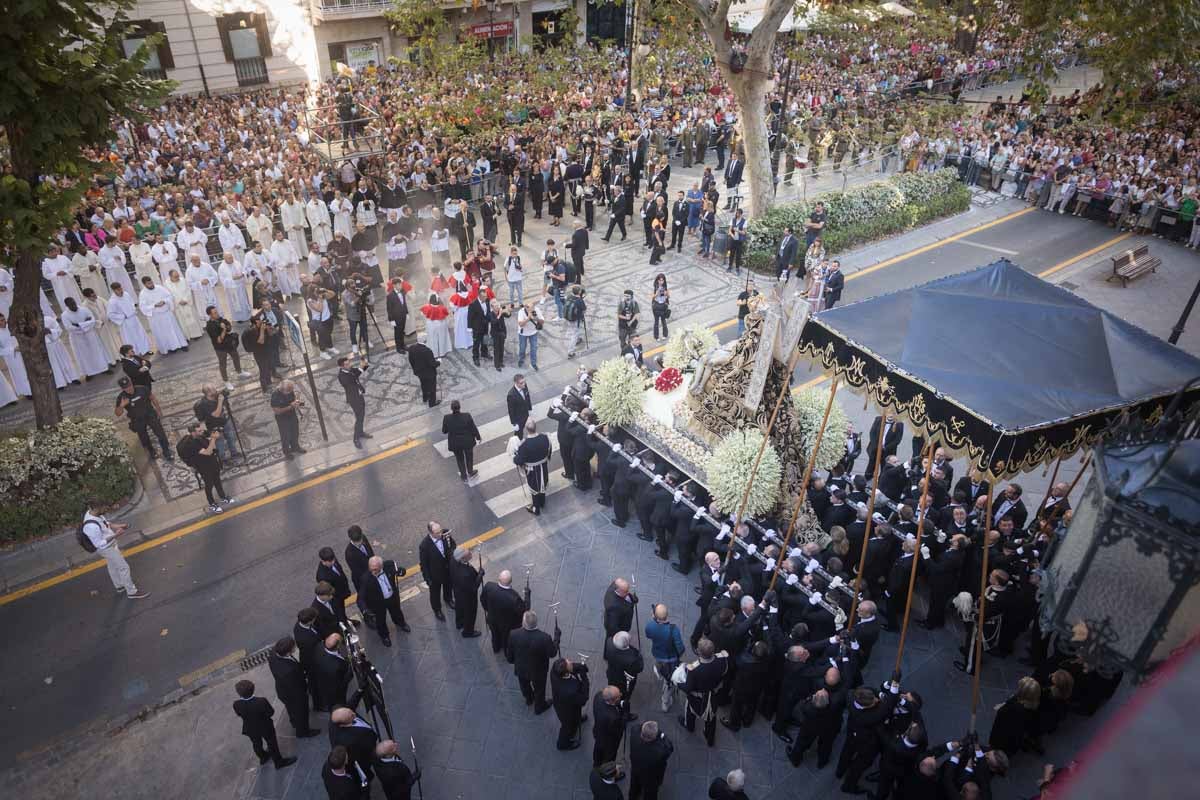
<point x="983" y="582"/>
<point x="783" y="390"/>
<point x="862" y="558"/>
<point x="922" y="513"/>
<point x="808" y="470"/>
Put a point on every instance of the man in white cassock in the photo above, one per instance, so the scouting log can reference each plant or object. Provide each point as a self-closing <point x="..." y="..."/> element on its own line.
<point x="159" y="307"/>
<point x="260" y="265"/>
<point x="231" y="237"/>
<point x="166" y="258"/>
<point x="122" y="313"/>
<point x="12" y="359"/>
<point x="287" y="264"/>
<point x="86" y="267"/>
<point x="185" y="307"/>
<point x="318" y="220"/>
<point x="291" y="215"/>
<point x="61" y="363"/>
<point x="112" y="261"/>
<point x="6" y="291"/>
<point x="191" y="240"/>
<point x="259" y="226"/>
<point x="142" y="255"/>
<point x="202" y="279"/>
<point x="233" y="278"/>
<point x="56" y="268"/>
<point x="85" y="339"/>
<point x="110" y="336"/>
<point x="342" y="208"/>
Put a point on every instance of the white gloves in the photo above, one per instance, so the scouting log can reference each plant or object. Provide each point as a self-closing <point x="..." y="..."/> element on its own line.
<point x="751" y="549"/>
<point x="854" y="644"/>
<point x="924" y="551"/>
<point x="574" y="416"/>
<point x="678" y="495"/>
<point x="725" y="529"/>
<point x="793" y="580"/>
<point x="517" y="428"/>
<point x="814" y="599"/>
<point x="836" y="582"/>
<point x="591" y="428"/>
<point x="657" y="480"/>
<point x="772" y="535"/>
<point x="795" y="552"/>
<point x="811" y="566"/>
<point x="635" y="463"/>
<point x="699" y="513"/>
<point x="616" y="448"/>
<point x="770" y="565"/>
<point x="941" y="537"/>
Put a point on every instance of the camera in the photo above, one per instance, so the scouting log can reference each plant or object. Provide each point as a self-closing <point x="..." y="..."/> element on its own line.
<point x="226" y="393"/>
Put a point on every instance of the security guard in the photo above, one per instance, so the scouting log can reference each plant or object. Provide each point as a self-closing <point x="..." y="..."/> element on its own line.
<point x="141" y="407"/>
<point x="356" y="396"/>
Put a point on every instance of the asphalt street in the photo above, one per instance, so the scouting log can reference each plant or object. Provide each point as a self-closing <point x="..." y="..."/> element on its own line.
<point x="234" y="584"/>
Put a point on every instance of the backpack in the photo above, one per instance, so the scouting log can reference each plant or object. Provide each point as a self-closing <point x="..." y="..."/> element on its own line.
<point x="571" y="309"/>
<point x="84" y="540"/>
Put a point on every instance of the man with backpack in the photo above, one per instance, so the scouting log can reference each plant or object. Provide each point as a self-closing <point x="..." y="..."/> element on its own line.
<point x="96" y="535"/>
<point x="574" y="310"/>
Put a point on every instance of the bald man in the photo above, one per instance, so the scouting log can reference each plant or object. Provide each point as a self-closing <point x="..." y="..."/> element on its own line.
<point x="618" y="607"/>
<point x="532" y="650"/>
<point x="356" y="735"/>
<point x="332" y="673"/>
<point x="394" y="775"/>
<point x="608" y="725"/>
<point x="502" y="610"/>
<point x="378" y="592"/>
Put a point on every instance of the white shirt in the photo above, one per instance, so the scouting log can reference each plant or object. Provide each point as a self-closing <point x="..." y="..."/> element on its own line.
<point x="100" y="533"/>
<point x="385" y="585"/>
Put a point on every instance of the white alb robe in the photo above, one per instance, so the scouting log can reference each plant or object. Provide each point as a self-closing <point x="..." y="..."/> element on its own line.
<point x="64" y="283"/>
<point x="341" y="208"/>
<point x="318" y="219"/>
<point x="166" y="258"/>
<point x="61" y="362"/>
<point x="86" y="267"/>
<point x="7" y="395"/>
<point x="110" y="337"/>
<point x="142" y="256"/>
<point x="6" y="291"/>
<point x="232" y="240"/>
<point x="287" y="262"/>
<point x="260" y="228"/>
<point x="85" y="341"/>
<point x="159" y="307"/>
<point x="112" y="259"/>
<point x="194" y="243"/>
<point x="292" y="217"/>
<point x="122" y="314"/>
<point x="202" y="279"/>
<point x="234" y="281"/>
<point x="185" y="308"/>
<point x="14" y="362"/>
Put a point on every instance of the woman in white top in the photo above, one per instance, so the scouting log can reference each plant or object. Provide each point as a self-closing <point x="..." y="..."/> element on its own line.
<point x="514" y="273"/>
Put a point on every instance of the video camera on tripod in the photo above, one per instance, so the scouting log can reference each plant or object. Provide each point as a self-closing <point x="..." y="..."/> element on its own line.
<point x="369" y="683"/>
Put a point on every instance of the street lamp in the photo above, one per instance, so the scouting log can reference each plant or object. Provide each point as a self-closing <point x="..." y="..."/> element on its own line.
<point x="1122" y="587"/>
<point x="491" y="9"/>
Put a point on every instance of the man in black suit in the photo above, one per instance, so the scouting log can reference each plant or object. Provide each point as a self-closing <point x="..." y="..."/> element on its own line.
<point x="569" y="693"/>
<point x="839" y="513"/>
<point x="358" y="553"/>
<point x="534" y="455"/>
<point x="350" y="377"/>
<point x="436" y="552"/>
<point x="579" y="246"/>
<point x="327" y="615"/>
<point x="648" y="755"/>
<point x="394" y="775"/>
<point x="532" y="650"/>
<point x="835" y="281"/>
<point x="619" y="605"/>
<point x="608" y="725"/>
<point x="633" y="346"/>
<point x="332" y="673"/>
<point x="341" y="780"/>
<point x="703" y="679"/>
<point x="349" y="730"/>
<point x="679" y="218"/>
<point x="464" y="582"/>
<point x="866" y="718"/>
<point x="733" y="177"/>
<point x="379" y="593"/>
<point x="425" y="366"/>
<point x="866" y="632"/>
<point x="291" y="686"/>
<point x="503" y="607"/>
<point x="256" y="713"/>
<point x="789" y="248"/>
<point x="479" y="320"/>
<point x="461" y="437"/>
<point x="1009" y="505"/>
<point x="973" y="486"/>
<point x="729" y="788"/>
<point x="135" y="367"/>
<point x="308" y="642"/>
<point x="520" y="405"/>
<point x="893" y="432"/>
<point x="331" y="572"/>
<point x="617" y="212"/>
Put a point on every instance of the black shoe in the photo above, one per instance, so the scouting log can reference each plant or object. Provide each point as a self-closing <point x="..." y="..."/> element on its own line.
<point x="476" y="360"/>
<point x="645" y="538"/>
<point x="263" y="759"/>
<point x="541" y="708"/>
<point x="386" y="642"/>
<point x="603" y="502"/>
<point x="472" y="473"/>
<point x="961" y="666"/>
<point x="366" y="436"/>
<point x="289" y="456"/>
<point x="565" y="475"/>
<point x="618" y="524"/>
<point x="575" y="745"/>
<point x="287" y="762"/>
<point x="450" y="603"/>
<point x="471" y="634"/>
<point x="663" y="556"/>
<point x="404" y="627"/>
<point x="728" y="723"/>
<point x="358" y="444"/>
<point x="440" y="615"/>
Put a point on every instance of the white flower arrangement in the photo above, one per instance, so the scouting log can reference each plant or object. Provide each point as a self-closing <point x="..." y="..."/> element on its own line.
<point x="695" y="454"/>
<point x="809" y="408"/>
<point x="729" y="470"/>
<point x="688" y="344"/>
<point x="617" y="390"/>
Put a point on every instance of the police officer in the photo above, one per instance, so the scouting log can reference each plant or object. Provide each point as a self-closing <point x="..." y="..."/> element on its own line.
<point x="141" y="407"/>
<point x="351" y="380"/>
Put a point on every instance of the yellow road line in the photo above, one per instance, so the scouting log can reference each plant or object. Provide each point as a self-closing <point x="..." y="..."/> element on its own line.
<point x="415" y="570"/>
<point x="201" y="524"/>
<point x="1064" y="264"/>
<point x="195" y="675"/>
<point x="935" y="245"/>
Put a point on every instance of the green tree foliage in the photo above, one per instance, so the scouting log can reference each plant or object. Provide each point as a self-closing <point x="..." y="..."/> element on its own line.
<point x="66" y="79"/>
<point x="445" y="49"/>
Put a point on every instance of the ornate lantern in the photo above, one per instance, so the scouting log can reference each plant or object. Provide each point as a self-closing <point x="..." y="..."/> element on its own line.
<point x="1122" y="587"/>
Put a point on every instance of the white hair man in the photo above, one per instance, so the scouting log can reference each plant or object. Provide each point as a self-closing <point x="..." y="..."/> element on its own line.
<point x="624" y="666"/>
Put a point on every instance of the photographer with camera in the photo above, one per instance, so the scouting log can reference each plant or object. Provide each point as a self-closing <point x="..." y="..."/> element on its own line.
<point x="285" y="405"/>
<point x="529" y="325"/>
<point x="356" y="396"/>
<point x="359" y="301"/>
<point x="627" y="317"/>
<point x="198" y="450"/>
<point x="256" y="339"/>
<point x="213" y="413"/>
<point x="499" y="331"/>
<point x="574" y="312"/>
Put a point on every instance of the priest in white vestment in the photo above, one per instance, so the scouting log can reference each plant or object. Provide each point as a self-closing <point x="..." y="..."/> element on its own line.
<point x="191" y="240"/>
<point x="166" y="258"/>
<point x="287" y="262"/>
<point x="318" y="220"/>
<point x="85" y="339"/>
<point x="233" y="278"/>
<point x="291" y="215"/>
<point x="61" y="363"/>
<point x="12" y="359"/>
<point x="341" y="208"/>
<point x="110" y="337"/>
<point x="185" y="307"/>
<point x="159" y="307"/>
<point x="260" y="226"/>
<point x="56" y="268"/>
<point x="142" y="256"/>
<point x="85" y="265"/>
<point x="231" y="237"/>
<point x="121" y="312"/>
<point x="112" y="261"/>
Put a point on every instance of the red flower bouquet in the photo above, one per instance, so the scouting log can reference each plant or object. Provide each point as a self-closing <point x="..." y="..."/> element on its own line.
<point x="668" y="380"/>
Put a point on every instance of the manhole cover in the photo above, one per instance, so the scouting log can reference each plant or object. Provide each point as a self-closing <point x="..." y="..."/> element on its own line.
<point x="1069" y="286"/>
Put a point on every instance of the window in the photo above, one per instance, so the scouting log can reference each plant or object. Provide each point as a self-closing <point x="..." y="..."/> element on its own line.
<point x="160" y="58"/>
<point x="247" y="43"/>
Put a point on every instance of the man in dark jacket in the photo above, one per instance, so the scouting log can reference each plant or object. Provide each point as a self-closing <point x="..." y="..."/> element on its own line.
<point x="579" y="246"/>
<point x="290" y="684"/>
<point x="663" y="495"/>
<point x="645" y="497"/>
<point x="479" y="320"/>
<point x="648" y="756"/>
<point x="256" y="713"/>
<point x="608" y="725"/>
<point x="748" y="683"/>
<point x="461" y="438"/>
<point x="899" y="755"/>
<point x="503" y="607"/>
<point x="835" y="281"/>
<point x="465" y="581"/>
<point x="425" y="366"/>
<point x="519" y="405"/>
<point x="569" y="692"/>
<point x="349" y="730"/>
<point x="624" y="665"/>
<point x="619" y="604"/>
<point x="624" y="486"/>
<point x="820" y="720"/>
<point x="394" y="775"/>
<point x="566" y="436"/>
<point x="330" y="571"/>
<point x="789" y="248"/>
<point x="943" y="575"/>
<point x="532" y="650"/>
<point x="893" y="434"/>
<point x="358" y="553"/>
<point x="378" y="590"/>
<point x="868" y="712"/>
<point x="686" y="533"/>
<point x="436" y="552"/>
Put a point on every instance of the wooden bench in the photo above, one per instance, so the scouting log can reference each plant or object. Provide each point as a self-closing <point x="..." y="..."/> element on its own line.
<point x="1134" y="262"/>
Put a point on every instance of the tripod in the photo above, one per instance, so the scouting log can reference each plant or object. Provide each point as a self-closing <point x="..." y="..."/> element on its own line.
<point x="237" y="436"/>
<point x="364" y="307"/>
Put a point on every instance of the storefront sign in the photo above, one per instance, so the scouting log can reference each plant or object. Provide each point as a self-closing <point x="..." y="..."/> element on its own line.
<point x="493" y="30"/>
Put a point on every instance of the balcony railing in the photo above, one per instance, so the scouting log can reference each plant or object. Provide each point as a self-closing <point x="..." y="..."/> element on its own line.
<point x="340" y="9"/>
<point x="251" y="71"/>
<point x="155" y="74"/>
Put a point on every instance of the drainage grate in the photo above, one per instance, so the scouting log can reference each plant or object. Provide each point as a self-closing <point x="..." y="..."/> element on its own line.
<point x="254" y="659"/>
<point x="1069" y="286"/>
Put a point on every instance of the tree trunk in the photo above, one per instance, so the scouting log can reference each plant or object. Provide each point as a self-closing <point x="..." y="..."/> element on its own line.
<point x="27" y="324"/>
<point x="966" y="35"/>
<point x="750" y="88"/>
